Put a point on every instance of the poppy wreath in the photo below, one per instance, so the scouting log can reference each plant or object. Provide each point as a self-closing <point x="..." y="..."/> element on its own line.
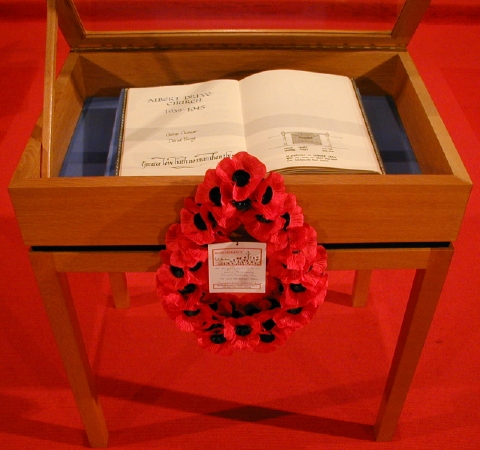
<point x="238" y="197"/>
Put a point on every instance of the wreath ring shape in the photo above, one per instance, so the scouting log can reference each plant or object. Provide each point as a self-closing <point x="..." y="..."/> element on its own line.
<point x="238" y="197"/>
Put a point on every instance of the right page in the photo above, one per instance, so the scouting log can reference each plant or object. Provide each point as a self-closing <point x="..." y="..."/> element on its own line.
<point x="298" y="121"/>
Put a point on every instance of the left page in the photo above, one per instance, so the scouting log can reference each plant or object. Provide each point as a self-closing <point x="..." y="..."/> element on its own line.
<point x="181" y="130"/>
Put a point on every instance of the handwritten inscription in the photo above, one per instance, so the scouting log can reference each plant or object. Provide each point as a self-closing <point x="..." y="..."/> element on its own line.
<point x="180" y="100"/>
<point x="179" y="162"/>
<point x="182" y="136"/>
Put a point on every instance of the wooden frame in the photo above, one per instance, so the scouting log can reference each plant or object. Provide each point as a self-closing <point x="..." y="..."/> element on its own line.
<point x="111" y="223"/>
<point x="390" y="208"/>
<point x="399" y="208"/>
<point x="50" y="267"/>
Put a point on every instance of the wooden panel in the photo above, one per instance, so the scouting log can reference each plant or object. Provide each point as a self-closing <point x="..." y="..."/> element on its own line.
<point x="433" y="146"/>
<point x="107" y="261"/>
<point x="107" y="72"/>
<point x="149" y="260"/>
<point x="49" y="81"/>
<point x="69" y="99"/>
<point x="138" y="210"/>
<point x="70" y="23"/>
<point x="29" y="165"/>
<point x="253" y="39"/>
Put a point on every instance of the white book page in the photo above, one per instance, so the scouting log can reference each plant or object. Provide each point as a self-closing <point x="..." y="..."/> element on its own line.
<point x="181" y="130"/>
<point x="303" y="119"/>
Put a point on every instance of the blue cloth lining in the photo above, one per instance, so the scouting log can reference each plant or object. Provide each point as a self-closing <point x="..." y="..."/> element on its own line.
<point x="94" y="145"/>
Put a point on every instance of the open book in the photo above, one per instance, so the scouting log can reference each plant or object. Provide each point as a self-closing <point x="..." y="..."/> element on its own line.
<point x="293" y="121"/>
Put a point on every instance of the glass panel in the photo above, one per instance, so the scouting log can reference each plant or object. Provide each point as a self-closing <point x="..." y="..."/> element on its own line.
<point x="122" y="15"/>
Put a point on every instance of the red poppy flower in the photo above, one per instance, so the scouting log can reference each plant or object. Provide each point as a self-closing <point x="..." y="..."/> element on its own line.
<point x="321" y="258"/>
<point x="295" y="318"/>
<point x="198" y="223"/>
<point x="176" y="277"/>
<point x="270" y="340"/>
<point x="217" y="197"/>
<point x="184" y="252"/>
<point x="187" y="298"/>
<point x="296" y="294"/>
<point x="259" y="306"/>
<point x="309" y="276"/>
<point x="186" y="319"/>
<point x="215" y="342"/>
<point x="270" y="197"/>
<point x="321" y="290"/>
<point x="297" y="247"/>
<point x="220" y="307"/>
<point x="259" y="227"/>
<point x="293" y="214"/>
<point x="243" y="172"/>
<point x="242" y="332"/>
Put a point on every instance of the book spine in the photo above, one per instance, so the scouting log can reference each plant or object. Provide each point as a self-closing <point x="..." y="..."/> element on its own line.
<point x="122" y="108"/>
<point x="367" y="124"/>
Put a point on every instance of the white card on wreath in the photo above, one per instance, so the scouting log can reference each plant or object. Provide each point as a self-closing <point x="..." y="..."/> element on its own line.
<point x="237" y="267"/>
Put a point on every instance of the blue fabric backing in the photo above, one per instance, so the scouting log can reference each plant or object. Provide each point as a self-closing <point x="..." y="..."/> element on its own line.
<point x="88" y="150"/>
<point x="392" y="141"/>
<point x="93" y="148"/>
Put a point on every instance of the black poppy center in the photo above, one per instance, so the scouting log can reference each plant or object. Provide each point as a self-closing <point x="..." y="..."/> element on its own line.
<point x="214" y="326"/>
<point x="274" y="303"/>
<point x="297" y="288"/>
<point x="243" y="205"/>
<point x="190" y="313"/>
<point x="267" y="338"/>
<point x="199" y="222"/>
<point x="250" y="310"/>
<point x="294" y="311"/>
<point x="243" y="330"/>
<point x="236" y="314"/>
<point x="262" y="219"/>
<point x="213" y="306"/>
<point x="177" y="272"/>
<point x="196" y="267"/>
<point x="268" y="324"/>
<point x="218" y="338"/>
<point x="215" y="196"/>
<point x="286" y="216"/>
<point x="188" y="289"/>
<point x="267" y="196"/>
<point x="241" y="178"/>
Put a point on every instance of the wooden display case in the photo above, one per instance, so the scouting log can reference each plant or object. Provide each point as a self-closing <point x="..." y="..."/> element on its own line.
<point x="115" y="224"/>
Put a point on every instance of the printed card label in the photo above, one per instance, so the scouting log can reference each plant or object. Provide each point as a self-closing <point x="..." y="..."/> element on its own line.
<point x="237" y="267"/>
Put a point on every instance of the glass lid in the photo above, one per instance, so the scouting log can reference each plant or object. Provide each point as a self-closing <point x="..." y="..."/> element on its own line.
<point x="326" y="15"/>
<point x="168" y="23"/>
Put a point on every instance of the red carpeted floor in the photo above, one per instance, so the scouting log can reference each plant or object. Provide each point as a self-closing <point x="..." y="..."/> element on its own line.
<point x="321" y="390"/>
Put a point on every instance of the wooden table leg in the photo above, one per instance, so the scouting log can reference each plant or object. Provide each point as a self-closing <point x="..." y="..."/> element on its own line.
<point x="424" y="296"/>
<point x="55" y="293"/>
<point x="118" y="282"/>
<point x="361" y="288"/>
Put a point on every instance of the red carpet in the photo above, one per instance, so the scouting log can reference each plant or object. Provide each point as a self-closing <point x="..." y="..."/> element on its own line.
<point x="322" y="390"/>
